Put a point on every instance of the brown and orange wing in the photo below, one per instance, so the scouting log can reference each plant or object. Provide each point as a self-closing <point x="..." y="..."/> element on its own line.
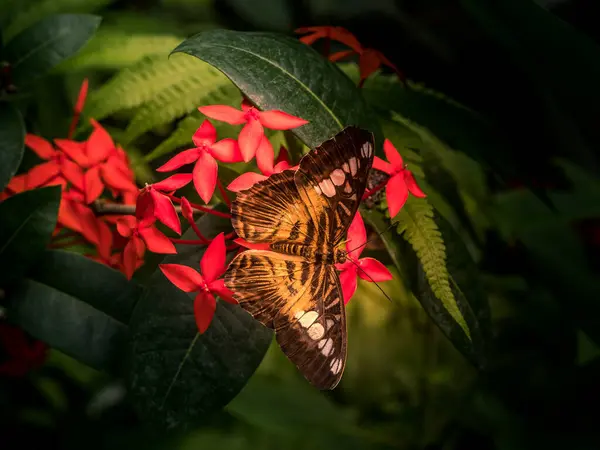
<point x="272" y="210"/>
<point x="302" y="302"/>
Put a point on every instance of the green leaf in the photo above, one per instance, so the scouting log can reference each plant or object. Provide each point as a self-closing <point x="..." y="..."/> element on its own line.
<point x="279" y="72"/>
<point x="100" y="286"/>
<point x="68" y="324"/>
<point x="36" y="50"/>
<point x="28" y="220"/>
<point x="12" y="138"/>
<point x="115" y="49"/>
<point x="178" y="376"/>
<point x="417" y="225"/>
<point x="29" y="12"/>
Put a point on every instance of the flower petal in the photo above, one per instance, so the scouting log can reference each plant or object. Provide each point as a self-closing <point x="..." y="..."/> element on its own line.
<point x="205" y="176"/>
<point x="73" y="173"/>
<point x="368" y="63"/>
<point x="130" y="258"/>
<point x="99" y="144"/>
<point x="164" y="211"/>
<point x="125" y="225"/>
<point x="283" y="155"/>
<point x="412" y="185"/>
<point x="93" y="184"/>
<point x="396" y="194"/>
<point x="380" y="164"/>
<point x="357" y="236"/>
<point x="144" y="207"/>
<point x="310" y="39"/>
<point x="340" y="55"/>
<point x="204" y="310"/>
<point x="280" y="120"/>
<point x="212" y="263"/>
<point x="40" y="146"/>
<point x="181" y="159"/>
<point x="224" y="113"/>
<point x="67" y="215"/>
<point x="206" y="134"/>
<point x="227" y="150"/>
<point x="251" y="245"/>
<point x="74" y="150"/>
<point x="105" y="239"/>
<point x="156" y="241"/>
<point x="115" y="178"/>
<point x="342" y="35"/>
<point x="218" y="288"/>
<point x="265" y="156"/>
<point x="184" y="277"/>
<point x="250" y="138"/>
<point x="374" y="269"/>
<point x="173" y="183"/>
<point x="392" y="155"/>
<point x="348" y="282"/>
<point x="41" y="174"/>
<point x="245" y="181"/>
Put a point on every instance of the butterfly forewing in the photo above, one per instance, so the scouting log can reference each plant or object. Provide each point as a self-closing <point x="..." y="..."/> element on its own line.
<point x="332" y="178"/>
<point x="298" y="294"/>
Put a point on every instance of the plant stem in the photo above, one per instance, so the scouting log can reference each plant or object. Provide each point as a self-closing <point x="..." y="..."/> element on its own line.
<point x="376" y="189"/>
<point x="200" y="208"/>
<point x="104" y="208"/>
<point x="187" y="241"/>
<point x="223" y="193"/>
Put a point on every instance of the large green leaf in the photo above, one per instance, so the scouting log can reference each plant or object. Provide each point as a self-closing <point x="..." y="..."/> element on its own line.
<point x="12" y="137"/>
<point x="100" y="286"/>
<point x="279" y="72"/>
<point x="28" y="220"/>
<point x="68" y="324"/>
<point x="177" y="375"/>
<point x="39" y="48"/>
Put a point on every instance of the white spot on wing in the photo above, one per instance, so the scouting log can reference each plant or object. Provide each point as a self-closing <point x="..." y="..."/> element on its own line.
<point x="299" y="314"/>
<point x="353" y="167"/>
<point x="330" y="323"/>
<point x="316" y="331"/>
<point x="346" y="167"/>
<point x="336" y="366"/>
<point x="366" y="149"/>
<point x="347" y="188"/>
<point x="318" y="190"/>
<point x="327" y="187"/>
<point x="327" y="346"/>
<point x="338" y="177"/>
<point x="307" y="319"/>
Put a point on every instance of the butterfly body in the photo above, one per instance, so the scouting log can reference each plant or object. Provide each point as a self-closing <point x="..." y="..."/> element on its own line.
<point x="293" y="287"/>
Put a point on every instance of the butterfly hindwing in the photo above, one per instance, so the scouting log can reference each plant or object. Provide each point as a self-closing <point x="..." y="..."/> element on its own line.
<point x="333" y="177"/>
<point x="302" y="302"/>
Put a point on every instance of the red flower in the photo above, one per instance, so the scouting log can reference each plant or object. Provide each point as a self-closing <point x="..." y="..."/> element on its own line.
<point x="367" y="268"/>
<point x="22" y="353"/>
<point x="401" y="180"/>
<point x="207" y="285"/>
<point x="107" y="167"/>
<point x="152" y="201"/>
<point x="205" y="155"/>
<point x="267" y="164"/>
<point x="251" y="135"/>
<point x="339" y="34"/>
<point x="16" y="185"/>
<point x="57" y="167"/>
<point x="142" y="235"/>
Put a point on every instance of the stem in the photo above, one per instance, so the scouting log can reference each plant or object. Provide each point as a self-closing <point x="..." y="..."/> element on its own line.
<point x="223" y="193"/>
<point x="187" y="241"/>
<point x="64" y="244"/>
<point x="73" y="125"/>
<point x="230" y="235"/>
<point x="377" y="188"/>
<point x="199" y="233"/>
<point x="200" y="208"/>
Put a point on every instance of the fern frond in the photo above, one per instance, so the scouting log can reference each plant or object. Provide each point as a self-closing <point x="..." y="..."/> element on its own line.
<point x="204" y="85"/>
<point x="418" y="228"/>
<point x="26" y="13"/>
<point x="115" y="49"/>
<point x="140" y="83"/>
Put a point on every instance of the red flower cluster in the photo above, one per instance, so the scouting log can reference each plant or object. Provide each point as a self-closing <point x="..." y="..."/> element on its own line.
<point x="369" y="59"/>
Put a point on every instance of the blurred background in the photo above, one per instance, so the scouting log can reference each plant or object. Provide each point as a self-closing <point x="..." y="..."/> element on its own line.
<point x="529" y="72"/>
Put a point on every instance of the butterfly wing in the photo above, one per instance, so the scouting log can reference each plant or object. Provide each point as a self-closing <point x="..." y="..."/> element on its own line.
<point x="302" y="302"/>
<point x="272" y="210"/>
<point x="333" y="178"/>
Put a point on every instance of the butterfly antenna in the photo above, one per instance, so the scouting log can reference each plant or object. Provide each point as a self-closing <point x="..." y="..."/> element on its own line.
<point x="372" y="280"/>
<point x="372" y="239"/>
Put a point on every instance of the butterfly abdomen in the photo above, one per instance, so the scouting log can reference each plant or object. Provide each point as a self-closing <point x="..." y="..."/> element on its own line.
<point x="307" y="252"/>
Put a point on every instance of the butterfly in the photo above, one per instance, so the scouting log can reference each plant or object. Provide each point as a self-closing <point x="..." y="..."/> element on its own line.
<point x="293" y="287"/>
